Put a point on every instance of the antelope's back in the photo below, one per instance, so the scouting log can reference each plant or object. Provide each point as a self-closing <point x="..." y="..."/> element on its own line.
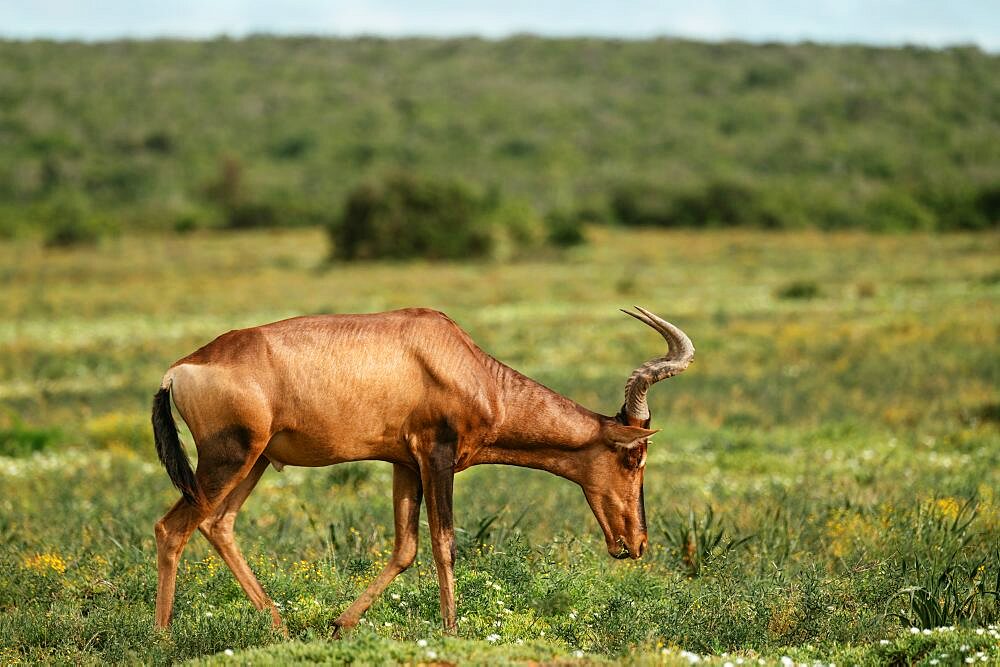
<point x="375" y="376"/>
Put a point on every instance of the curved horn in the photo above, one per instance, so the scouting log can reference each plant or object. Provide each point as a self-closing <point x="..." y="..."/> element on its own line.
<point x="675" y="361"/>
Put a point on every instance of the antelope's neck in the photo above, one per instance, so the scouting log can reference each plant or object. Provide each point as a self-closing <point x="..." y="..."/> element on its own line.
<point x="540" y="429"/>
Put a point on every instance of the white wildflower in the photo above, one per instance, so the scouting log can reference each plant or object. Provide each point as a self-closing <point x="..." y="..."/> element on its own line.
<point x="577" y="653"/>
<point x="493" y="638"/>
<point x="395" y="596"/>
<point x="432" y="655"/>
<point x="228" y="651"/>
<point x="422" y="643"/>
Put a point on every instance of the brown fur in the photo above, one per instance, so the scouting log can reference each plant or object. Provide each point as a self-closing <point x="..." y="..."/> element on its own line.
<point x="408" y="387"/>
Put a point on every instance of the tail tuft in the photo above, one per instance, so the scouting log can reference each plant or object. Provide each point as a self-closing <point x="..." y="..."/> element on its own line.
<point x="170" y="450"/>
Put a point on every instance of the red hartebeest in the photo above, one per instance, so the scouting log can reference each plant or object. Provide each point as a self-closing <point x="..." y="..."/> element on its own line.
<point x="408" y="387"/>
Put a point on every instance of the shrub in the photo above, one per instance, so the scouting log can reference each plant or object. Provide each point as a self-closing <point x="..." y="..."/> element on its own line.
<point x="565" y="229"/>
<point x="642" y="204"/>
<point x="799" y="289"/>
<point x="726" y="203"/>
<point x="718" y="203"/>
<point x="967" y="207"/>
<point x="405" y="216"/>
<point x="512" y="227"/>
<point x="252" y="215"/>
<point x="69" y="223"/>
<point x="894" y="210"/>
<point x="292" y="147"/>
<point x="158" y="142"/>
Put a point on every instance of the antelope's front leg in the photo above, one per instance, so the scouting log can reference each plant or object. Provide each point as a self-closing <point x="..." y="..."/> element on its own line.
<point x="438" y="476"/>
<point x="406" y="493"/>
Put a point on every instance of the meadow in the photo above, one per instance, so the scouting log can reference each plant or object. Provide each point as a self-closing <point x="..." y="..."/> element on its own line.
<point x="825" y="487"/>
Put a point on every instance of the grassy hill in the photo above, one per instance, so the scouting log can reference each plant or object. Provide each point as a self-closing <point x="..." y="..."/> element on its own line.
<point x="168" y="134"/>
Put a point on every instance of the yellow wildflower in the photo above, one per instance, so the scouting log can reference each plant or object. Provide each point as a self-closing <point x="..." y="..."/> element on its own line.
<point x="46" y="563"/>
<point x="948" y="507"/>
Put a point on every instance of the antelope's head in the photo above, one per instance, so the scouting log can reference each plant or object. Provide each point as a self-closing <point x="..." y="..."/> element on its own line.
<point x="614" y="487"/>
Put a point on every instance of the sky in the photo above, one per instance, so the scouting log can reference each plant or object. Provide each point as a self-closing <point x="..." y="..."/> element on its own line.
<point x="923" y="22"/>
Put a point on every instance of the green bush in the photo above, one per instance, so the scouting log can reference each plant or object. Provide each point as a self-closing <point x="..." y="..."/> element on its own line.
<point x="717" y="203"/>
<point x="512" y="227"/>
<point x="964" y="206"/>
<point x="895" y="210"/>
<point x="69" y="222"/>
<point x="406" y="216"/>
<point x="641" y="205"/>
<point x="799" y="289"/>
<point x="565" y="229"/>
<point x="252" y="215"/>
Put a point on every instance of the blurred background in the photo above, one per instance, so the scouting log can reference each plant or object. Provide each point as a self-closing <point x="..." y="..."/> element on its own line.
<point x="810" y="190"/>
<point x="234" y="115"/>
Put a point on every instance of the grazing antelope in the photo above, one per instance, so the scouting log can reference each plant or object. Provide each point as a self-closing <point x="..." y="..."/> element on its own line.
<point x="408" y="387"/>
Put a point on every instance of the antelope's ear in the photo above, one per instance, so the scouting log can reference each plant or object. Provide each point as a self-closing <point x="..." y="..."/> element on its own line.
<point x="624" y="436"/>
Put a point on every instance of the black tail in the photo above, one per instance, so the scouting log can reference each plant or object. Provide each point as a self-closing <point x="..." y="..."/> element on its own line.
<point x="170" y="450"/>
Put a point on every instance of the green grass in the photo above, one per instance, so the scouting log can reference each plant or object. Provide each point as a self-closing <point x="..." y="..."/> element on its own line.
<point x="852" y="436"/>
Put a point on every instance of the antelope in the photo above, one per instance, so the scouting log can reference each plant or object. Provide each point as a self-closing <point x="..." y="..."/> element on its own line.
<point x="408" y="387"/>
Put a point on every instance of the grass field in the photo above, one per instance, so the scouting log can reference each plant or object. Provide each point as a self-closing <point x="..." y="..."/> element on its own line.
<point x="842" y="415"/>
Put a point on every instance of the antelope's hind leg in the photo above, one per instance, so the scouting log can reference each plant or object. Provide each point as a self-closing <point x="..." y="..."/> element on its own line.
<point x="224" y="461"/>
<point x="406" y="495"/>
<point x="218" y="529"/>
